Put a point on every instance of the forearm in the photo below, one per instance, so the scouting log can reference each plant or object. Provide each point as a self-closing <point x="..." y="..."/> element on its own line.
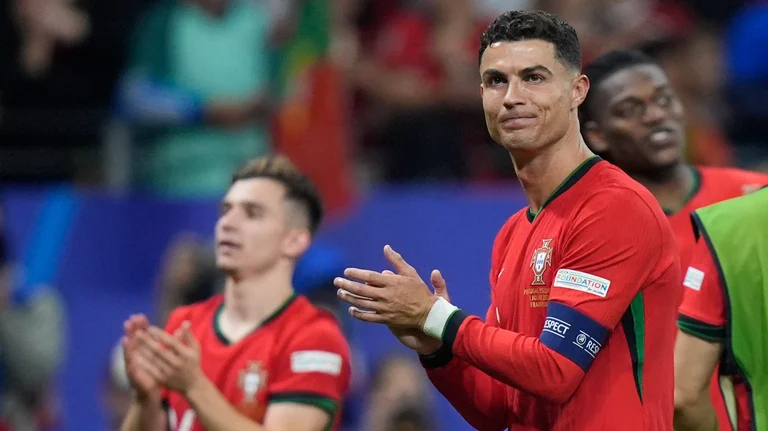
<point x="514" y="359"/>
<point x="695" y="362"/>
<point x="698" y="415"/>
<point x="214" y="412"/>
<point x="475" y="395"/>
<point x="145" y="415"/>
<point x="145" y="100"/>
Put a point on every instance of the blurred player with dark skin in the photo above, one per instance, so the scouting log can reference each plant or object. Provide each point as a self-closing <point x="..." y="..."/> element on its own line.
<point x="724" y="317"/>
<point x="579" y="279"/>
<point x="258" y="357"/>
<point x="634" y="119"/>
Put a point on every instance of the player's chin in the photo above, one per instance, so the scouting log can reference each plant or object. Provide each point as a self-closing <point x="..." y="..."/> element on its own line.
<point x="519" y="140"/>
<point x="226" y="264"/>
<point x="666" y="157"/>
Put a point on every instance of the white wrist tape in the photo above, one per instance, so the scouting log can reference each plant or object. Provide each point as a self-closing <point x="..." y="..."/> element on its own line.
<point x="438" y="317"/>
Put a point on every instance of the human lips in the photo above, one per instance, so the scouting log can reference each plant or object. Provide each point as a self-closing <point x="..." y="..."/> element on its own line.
<point x="226" y="244"/>
<point x="661" y="137"/>
<point x="516" y="120"/>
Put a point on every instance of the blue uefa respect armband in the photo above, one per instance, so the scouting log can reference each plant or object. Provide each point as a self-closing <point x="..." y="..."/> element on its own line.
<point x="572" y="334"/>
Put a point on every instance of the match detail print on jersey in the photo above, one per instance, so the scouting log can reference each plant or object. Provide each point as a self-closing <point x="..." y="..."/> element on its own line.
<point x="582" y="281"/>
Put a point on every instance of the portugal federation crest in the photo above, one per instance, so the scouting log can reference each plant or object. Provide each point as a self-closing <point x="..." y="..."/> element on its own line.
<point x="542" y="257"/>
<point x="251" y="379"/>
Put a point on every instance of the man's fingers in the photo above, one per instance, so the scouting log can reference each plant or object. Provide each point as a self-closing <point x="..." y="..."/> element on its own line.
<point x="439" y="284"/>
<point x="366" y="316"/>
<point x="359" y="302"/>
<point x="158" y="353"/>
<point x="371" y="278"/>
<point x="401" y="266"/>
<point x="186" y="336"/>
<point x="142" y="322"/>
<point x="134" y="323"/>
<point x="128" y="327"/>
<point x="359" y="289"/>
<point x="167" y="339"/>
<point x="147" y="366"/>
<point x="387" y="272"/>
<point x="129" y="348"/>
<point x="162" y="366"/>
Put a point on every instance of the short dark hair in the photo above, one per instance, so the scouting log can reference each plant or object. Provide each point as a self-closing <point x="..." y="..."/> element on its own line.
<point x="602" y="68"/>
<point x="518" y="25"/>
<point x="299" y="187"/>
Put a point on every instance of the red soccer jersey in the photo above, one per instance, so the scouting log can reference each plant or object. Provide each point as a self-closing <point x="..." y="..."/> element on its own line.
<point x="712" y="185"/>
<point x="703" y="315"/>
<point x="298" y="355"/>
<point x="702" y="312"/>
<point x="580" y="299"/>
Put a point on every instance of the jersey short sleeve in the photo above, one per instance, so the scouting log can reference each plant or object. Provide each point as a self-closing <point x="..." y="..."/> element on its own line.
<point x="702" y="312"/>
<point x="314" y="368"/>
<point x="615" y="243"/>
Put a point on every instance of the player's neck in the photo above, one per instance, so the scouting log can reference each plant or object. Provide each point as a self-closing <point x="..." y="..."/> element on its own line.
<point x="541" y="174"/>
<point x="669" y="186"/>
<point x="251" y="300"/>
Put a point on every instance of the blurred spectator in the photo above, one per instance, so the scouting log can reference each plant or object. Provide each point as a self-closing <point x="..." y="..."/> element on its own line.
<point x="60" y="61"/>
<point x="415" y="75"/>
<point x="188" y="275"/>
<point x="31" y="348"/>
<point x="410" y="419"/>
<point x="200" y="83"/>
<point x="398" y="395"/>
<point x="606" y="25"/>
<point x="716" y="12"/>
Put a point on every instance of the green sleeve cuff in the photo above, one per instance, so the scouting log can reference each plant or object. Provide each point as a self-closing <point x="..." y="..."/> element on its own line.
<point x="307" y="398"/>
<point x="700" y="329"/>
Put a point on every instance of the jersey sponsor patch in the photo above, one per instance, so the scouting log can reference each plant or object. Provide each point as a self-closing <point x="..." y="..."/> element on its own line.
<point x="582" y="281"/>
<point x="694" y="278"/>
<point x="749" y="188"/>
<point x="572" y="334"/>
<point x="316" y="361"/>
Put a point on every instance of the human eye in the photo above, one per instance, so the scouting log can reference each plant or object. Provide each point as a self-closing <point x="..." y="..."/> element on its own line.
<point x="628" y="110"/>
<point x="535" y="77"/>
<point x="664" y="99"/>
<point x="224" y="208"/>
<point x="496" y="80"/>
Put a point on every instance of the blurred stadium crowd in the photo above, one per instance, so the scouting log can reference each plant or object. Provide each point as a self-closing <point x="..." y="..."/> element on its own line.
<point x="167" y="97"/>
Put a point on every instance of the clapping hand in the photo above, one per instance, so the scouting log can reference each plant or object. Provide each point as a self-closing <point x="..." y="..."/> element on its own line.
<point x="401" y="300"/>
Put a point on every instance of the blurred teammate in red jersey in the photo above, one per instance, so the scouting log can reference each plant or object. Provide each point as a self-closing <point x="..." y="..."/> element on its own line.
<point x="633" y="118"/>
<point x="579" y="279"/>
<point x="258" y="357"/>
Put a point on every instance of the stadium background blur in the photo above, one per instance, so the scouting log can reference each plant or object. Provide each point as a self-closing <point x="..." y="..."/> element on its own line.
<point x="375" y="99"/>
